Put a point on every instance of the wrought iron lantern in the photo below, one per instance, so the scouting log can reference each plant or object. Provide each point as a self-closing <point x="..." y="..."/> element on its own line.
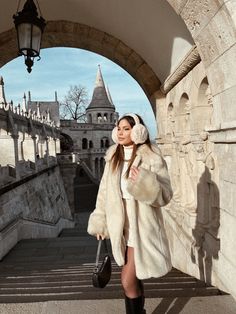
<point x="29" y="27"/>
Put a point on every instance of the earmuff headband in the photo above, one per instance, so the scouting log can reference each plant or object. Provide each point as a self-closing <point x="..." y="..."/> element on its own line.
<point x="139" y="133"/>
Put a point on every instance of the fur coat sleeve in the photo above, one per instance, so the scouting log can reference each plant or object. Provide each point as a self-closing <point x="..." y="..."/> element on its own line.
<point x="153" y="183"/>
<point x="97" y="220"/>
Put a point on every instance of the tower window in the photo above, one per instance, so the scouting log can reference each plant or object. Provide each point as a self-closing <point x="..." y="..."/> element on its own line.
<point x="84" y="143"/>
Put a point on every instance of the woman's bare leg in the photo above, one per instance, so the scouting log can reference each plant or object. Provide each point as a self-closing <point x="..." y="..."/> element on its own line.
<point x="129" y="280"/>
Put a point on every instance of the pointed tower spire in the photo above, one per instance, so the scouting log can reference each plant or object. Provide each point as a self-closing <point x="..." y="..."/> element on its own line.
<point x="24" y="104"/>
<point x="99" y="79"/>
<point x="100" y="98"/>
<point x="38" y="113"/>
<point x="2" y="93"/>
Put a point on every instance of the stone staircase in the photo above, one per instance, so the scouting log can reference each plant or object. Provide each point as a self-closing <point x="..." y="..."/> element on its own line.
<point x="39" y="270"/>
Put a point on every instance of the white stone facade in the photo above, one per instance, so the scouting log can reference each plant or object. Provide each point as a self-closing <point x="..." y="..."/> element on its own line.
<point x="90" y="140"/>
<point x="200" y="219"/>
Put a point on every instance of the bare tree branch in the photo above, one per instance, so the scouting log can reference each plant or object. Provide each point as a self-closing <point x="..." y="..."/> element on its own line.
<point x="74" y="104"/>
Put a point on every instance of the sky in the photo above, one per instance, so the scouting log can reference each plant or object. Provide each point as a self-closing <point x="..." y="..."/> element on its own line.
<point x="60" y="68"/>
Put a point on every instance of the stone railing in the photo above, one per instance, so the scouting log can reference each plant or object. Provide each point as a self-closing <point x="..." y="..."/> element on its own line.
<point x="35" y="116"/>
<point x="10" y="174"/>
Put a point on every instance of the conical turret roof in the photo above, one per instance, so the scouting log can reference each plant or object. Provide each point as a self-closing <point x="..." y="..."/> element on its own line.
<point x="109" y="97"/>
<point x="100" y="98"/>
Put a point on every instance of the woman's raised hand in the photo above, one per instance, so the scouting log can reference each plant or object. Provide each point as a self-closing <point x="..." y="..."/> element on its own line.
<point x="134" y="171"/>
<point x="100" y="236"/>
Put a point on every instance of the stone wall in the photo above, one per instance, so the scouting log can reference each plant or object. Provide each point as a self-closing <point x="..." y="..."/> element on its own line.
<point x="35" y="206"/>
<point x="201" y="217"/>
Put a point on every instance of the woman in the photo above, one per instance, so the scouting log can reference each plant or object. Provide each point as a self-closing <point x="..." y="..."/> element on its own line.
<point x="135" y="184"/>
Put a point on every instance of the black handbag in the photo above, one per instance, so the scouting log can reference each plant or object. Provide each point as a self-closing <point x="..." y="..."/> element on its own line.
<point x="102" y="274"/>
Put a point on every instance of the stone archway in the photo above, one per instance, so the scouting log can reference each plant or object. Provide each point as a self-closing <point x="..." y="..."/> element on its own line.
<point x="70" y="34"/>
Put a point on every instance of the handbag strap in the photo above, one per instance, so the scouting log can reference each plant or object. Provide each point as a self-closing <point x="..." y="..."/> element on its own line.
<point x="99" y="250"/>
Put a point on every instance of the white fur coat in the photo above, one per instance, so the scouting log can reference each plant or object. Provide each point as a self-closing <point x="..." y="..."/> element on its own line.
<point x="151" y="190"/>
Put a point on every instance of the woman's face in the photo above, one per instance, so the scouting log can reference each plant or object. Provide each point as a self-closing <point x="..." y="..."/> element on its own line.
<point x="123" y="133"/>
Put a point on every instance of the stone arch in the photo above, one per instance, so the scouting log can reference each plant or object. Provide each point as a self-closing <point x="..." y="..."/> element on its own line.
<point x="105" y="117"/>
<point x="66" y="143"/>
<point x="96" y="164"/>
<point x="107" y="144"/>
<point x="183" y="118"/>
<point x="99" y="118"/>
<point x="84" y="143"/>
<point x="71" y="34"/>
<point x="90" y="118"/>
<point x="202" y="112"/>
<point x="101" y="165"/>
<point x="170" y="119"/>
<point x="90" y="144"/>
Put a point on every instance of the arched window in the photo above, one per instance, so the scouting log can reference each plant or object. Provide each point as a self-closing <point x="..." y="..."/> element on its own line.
<point x="102" y="144"/>
<point x="99" y="118"/>
<point x="170" y="120"/>
<point x="66" y="143"/>
<point x="84" y="143"/>
<point x="90" y="144"/>
<point x="90" y="118"/>
<point x="184" y="114"/>
<point x="202" y="111"/>
<point x="96" y="167"/>
<point x="107" y="143"/>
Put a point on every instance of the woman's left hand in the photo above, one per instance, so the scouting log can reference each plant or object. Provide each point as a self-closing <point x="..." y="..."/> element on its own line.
<point x="134" y="171"/>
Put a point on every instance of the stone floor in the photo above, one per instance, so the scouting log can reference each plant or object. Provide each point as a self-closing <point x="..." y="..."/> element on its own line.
<point x="184" y="305"/>
<point x="50" y="276"/>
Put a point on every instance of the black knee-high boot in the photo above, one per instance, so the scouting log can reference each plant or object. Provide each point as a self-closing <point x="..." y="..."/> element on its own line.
<point x="141" y="286"/>
<point x="134" y="306"/>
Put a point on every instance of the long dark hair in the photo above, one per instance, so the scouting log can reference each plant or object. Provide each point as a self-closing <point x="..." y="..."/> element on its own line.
<point x="118" y="157"/>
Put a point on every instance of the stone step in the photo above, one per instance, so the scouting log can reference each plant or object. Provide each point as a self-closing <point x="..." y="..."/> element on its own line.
<point x="49" y="269"/>
<point x="81" y="275"/>
<point x="46" y="280"/>
<point x="93" y="294"/>
<point x="73" y="232"/>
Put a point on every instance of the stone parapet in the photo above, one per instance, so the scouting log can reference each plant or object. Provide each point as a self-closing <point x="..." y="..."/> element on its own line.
<point x="26" y="137"/>
<point x="24" y="169"/>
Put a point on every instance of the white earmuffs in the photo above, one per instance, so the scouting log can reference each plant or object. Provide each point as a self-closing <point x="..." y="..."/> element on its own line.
<point x="139" y="132"/>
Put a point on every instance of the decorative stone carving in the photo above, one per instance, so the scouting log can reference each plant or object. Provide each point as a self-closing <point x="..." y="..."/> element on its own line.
<point x="189" y="62"/>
